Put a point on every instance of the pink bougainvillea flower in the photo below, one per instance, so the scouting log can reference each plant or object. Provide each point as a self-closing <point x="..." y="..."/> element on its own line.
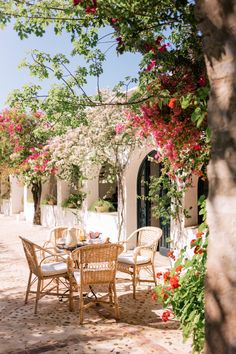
<point x="119" y="128"/>
<point x="197" y="147"/>
<point x="162" y="49"/>
<point x="77" y="2"/>
<point x="90" y="10"/>
<point x="171" y="103"/>
<point x="151" y="65"/>
<point x="113" y="20"/>
<point x="202" y="81"/>
<point x="158" y="40"/>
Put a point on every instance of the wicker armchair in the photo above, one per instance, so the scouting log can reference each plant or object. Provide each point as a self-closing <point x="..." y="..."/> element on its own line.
<point x="55" y="235"/>
<point x="140" y="249"/>
<point x="92" y="265"/>
<point x="50" y="272"/>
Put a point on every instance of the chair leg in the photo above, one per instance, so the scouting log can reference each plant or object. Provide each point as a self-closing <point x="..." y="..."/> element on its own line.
<point x="134" y="283"/>
<point x="37" y="296"/>
<point x="117" y="309"/>
<point x="28" y="288"/>
<point x="71" y="299"/>
<point x="81" y="307"/>
<point x="110" y="294"/>
<point x="154" y="274"/>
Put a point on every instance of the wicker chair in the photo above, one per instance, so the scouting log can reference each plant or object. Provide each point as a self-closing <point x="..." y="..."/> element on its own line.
<point x="93" y="265"/>
<point x="50" y="271"/>
<point x="57" y="234"/>
<point x="140" y="249"/>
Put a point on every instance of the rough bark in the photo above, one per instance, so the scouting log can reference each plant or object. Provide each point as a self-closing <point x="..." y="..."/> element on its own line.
<point x="36" y="190"/>
<point x="217" y="22"/>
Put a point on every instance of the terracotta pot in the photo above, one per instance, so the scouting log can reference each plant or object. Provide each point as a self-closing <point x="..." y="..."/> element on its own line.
<point x="101" y="209"/>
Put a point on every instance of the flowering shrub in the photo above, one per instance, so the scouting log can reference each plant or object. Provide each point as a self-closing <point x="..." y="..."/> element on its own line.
<point x="21" y="149"/>
<point x="181" y="290"/>
<point x="74" y="200"/>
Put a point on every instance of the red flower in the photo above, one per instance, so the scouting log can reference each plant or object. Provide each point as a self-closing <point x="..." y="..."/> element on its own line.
<point x="192" y="242"/>
<point x="151" y="65"/>
<point x="179" y="268"/>
<point x="158" y="275"/>
<point x="171" y="103"/>
<point x="158" y="40"/>
<point x="197" y="147"/>
<point x="165" y="316"/>
<point x="154" y="296"/>
<point x="170" y="254"/>
<point x="199" y="234"/>
<point x="165" y="295"/>
<point x="113" y="20"/>
<point x="202" y="81"/>
<point x="174" y="282"/>
<point x="90" y="10"/>
<point x="198" y="250"/>
<point x="162" y="49"/>
<point x="166" y="276"/>
<point x="76" y="2"/>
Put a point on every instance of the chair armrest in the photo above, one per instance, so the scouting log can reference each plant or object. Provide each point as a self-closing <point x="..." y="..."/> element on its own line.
<point x="138" y="250"/>
<point x="56" y="257"/>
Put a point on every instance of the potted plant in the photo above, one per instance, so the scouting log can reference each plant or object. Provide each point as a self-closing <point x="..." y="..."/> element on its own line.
<point x="102" y="206"/>
<point x="50" y="200"/>
<point x="74" y="200"/>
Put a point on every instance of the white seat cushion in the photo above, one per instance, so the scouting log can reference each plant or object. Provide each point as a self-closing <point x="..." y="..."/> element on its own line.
<point x="128" y="258"/>
<point x="77" y="276"/>
<point x="54" y="268"/>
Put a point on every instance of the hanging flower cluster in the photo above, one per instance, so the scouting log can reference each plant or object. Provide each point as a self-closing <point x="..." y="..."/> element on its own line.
<point x="90" y="6"/>
<point x="170" y="119"/>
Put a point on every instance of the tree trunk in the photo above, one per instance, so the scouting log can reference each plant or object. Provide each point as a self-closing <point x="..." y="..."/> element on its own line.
<point x="36" y="192"/>
<point x="217" y="22"/>
<point x="120" y="204"/>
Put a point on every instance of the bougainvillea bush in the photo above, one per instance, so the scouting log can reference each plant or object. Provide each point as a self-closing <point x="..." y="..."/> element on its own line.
<point x="23" y="137"/>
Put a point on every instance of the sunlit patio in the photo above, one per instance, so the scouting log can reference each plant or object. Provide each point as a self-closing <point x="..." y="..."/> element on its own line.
<point x="57" y="330"/>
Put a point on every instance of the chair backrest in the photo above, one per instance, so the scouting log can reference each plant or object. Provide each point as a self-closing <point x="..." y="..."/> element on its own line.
<point x="56" y="234"/>
<point x="97" y="263"/>
<point x="148" y="235"/>
<point x="76" y="231"/>
<point x="30" y="250"/>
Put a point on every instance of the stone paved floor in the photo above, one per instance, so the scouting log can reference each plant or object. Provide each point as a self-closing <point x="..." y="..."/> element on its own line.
<point x="56" y="330"/>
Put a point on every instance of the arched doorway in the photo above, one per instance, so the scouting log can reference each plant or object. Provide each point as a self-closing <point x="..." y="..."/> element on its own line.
<point x="202" y="189"/>
<point x="147" y="169"/>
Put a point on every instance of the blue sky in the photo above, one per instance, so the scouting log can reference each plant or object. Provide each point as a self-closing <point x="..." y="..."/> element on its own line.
<point x="14" y="50"/>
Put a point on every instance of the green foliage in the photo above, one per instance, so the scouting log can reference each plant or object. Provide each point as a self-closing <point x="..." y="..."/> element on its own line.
<point x="50" y="200"/>
<point x="74" y="200"/>
<point x="182" y="288"/>
<point x="166" y="197"/>
<point x="104" y="205"/>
